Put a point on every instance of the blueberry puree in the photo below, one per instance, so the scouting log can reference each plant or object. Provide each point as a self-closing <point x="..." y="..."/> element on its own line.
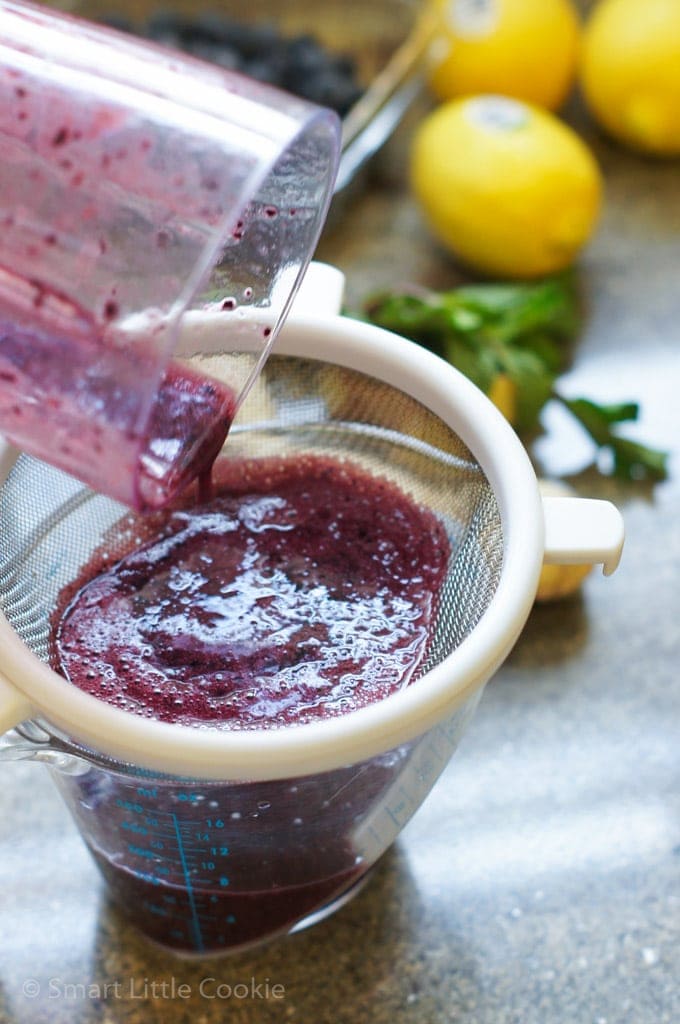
<point x="71" y="397"/>
<point x="306" y="588"/>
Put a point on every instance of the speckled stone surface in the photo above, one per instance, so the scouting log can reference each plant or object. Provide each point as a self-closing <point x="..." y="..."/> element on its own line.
<point x="539" y="883"/>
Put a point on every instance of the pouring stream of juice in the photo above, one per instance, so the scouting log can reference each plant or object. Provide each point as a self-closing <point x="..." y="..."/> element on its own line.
<point x="72" y="388"/>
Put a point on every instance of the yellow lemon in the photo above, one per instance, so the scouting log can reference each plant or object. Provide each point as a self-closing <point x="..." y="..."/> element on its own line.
<point x="503" y="394"/>
<point x="558" y="581"/>
<point x="508" y="188"/>
<point x="630" y="72"/>
<point x="522" y="48"/>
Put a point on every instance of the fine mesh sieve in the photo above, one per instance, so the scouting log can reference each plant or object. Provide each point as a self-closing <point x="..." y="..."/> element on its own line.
<point x="51" y="523"/>
<point x="336" y="387"/>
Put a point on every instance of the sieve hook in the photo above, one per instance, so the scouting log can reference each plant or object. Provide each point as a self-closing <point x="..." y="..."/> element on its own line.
<point x="582" y="531"/>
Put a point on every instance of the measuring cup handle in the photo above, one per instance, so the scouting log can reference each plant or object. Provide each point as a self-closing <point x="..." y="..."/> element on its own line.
<point x="580" y="531"/>
<point x="14" y="708"/>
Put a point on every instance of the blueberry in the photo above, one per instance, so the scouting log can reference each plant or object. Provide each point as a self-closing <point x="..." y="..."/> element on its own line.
<point x="215" y="27"/>
<point x="223" y="56"/>
<point x="119" y="22"/>
<point x="299" y="64"/>
<point x="305" y="52"/>
<point x="253" y="40"/>
<point x="345" y="65"/>
<point x="264" y="69"/>
<point x="167" y="24"/>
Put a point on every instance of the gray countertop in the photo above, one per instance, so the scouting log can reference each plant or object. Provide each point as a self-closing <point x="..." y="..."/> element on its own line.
<point x="538" y="884"/>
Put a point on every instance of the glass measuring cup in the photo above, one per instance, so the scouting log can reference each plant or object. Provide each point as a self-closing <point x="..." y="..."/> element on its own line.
<point x="335" y="386"/>
<point x="136" y="184"/>
<point x="205" y="867"/>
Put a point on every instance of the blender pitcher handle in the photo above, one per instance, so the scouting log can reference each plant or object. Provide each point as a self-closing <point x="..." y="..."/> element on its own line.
<point x="14" y="707"/>
<point x="582" y="531"/>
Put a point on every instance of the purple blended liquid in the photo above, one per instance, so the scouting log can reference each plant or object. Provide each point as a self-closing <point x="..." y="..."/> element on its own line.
<point x="72" y="398"/>
<point x="306" y="588"/>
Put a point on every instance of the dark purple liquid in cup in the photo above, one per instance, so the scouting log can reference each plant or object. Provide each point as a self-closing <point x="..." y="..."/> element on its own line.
<point x="222" y="918"/>
<point x="305" y="589"/>
<point x="209" y="867"/>
<point x="72" y="397"/>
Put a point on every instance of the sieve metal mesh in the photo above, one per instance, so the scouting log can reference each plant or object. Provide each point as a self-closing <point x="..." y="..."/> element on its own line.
<point x="50" y="524"/>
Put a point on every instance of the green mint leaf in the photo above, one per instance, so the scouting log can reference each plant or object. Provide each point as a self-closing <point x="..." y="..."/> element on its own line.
<point x="477" y="363"/>
<point x="545" y="348"/>
<point x="517" y="330"/>
<point x="598" y="419"/>
<point x="633" y="461"/>
<point x="549" y="306"/>
<point x="534" y="382"/>
<point x="425" y="322"/>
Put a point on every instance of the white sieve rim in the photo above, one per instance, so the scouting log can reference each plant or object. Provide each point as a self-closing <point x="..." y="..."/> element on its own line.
<point x="358" y="735"/>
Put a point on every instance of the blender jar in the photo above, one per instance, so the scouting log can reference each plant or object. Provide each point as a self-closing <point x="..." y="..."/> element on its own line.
<point x="136" y="184"/>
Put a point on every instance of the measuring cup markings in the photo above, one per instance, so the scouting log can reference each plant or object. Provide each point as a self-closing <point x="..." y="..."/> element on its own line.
<point x="169" y="856"/>
<point x="178" y="864"/>
<point x="163" y="831"/>
<point x="183" y="853"/>
<point x="222" y="865"/>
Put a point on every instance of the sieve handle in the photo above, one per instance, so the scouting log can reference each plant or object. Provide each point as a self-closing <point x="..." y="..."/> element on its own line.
<point x="14" y="708"/>
<point x="581" y="531"/>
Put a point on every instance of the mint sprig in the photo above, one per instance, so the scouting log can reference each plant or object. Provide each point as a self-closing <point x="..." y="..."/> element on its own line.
<point x="519" y="330"/>
<point x="630" y="459"/>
